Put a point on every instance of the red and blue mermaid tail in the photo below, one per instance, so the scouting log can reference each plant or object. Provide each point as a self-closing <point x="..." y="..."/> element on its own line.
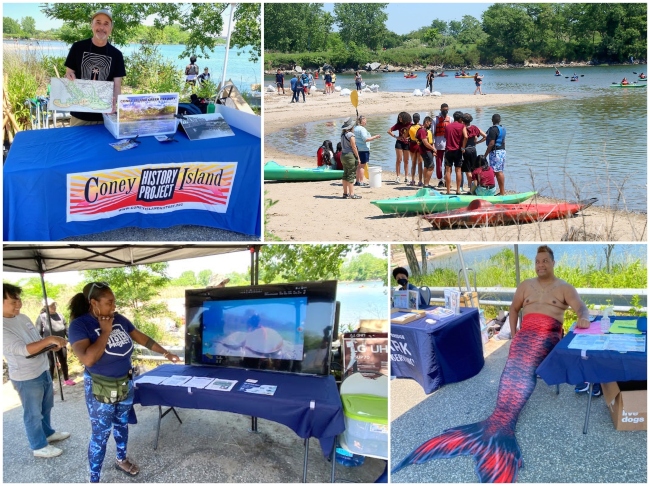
<point x="492" y="442"/>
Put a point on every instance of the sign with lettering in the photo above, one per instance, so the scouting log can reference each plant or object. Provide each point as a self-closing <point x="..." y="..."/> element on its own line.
<point x="149" y="189"/>
<point x="365" y="353"/>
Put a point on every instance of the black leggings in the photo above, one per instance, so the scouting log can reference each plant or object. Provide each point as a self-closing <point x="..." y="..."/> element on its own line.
<point x="62" y="355"/>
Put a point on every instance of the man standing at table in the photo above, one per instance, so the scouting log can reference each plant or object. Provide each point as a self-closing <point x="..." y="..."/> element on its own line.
<point x="492" y="441"/>
<point x="401" y="275"/>
<point x="546" y="294"/>
<point x="97" y="60"/>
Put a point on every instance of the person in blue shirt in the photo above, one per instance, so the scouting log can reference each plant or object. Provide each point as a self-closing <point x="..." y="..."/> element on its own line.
<point x="401" y="275"/>
<point x="103" y="340"/>
<point x="294" y="83"/>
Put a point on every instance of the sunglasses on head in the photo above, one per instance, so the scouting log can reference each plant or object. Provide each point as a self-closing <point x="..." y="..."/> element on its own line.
<point x="98" y="285"/>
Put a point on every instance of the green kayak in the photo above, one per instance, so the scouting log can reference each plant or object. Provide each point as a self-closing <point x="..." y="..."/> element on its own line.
<point x="432" y="201"/>
<point x="276" y="172"/>
<point x="628" y="85"/>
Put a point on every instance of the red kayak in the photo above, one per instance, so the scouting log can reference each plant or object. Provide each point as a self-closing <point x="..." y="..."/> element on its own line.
<point x="411" y="77"/>
<point x="481" y="213"/>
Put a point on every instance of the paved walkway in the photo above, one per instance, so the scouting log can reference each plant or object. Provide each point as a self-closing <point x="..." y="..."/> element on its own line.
<point x="549" y="432"/>
<point x="209" y="447"/>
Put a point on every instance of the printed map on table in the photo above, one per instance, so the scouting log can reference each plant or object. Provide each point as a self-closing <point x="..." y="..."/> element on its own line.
<point x="150" y="189"/>
<point x="81" y="95"/>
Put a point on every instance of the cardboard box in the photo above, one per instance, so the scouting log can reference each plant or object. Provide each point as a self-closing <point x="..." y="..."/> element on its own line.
<point x="469" y="299"/>
<point x="628" y="404"/>
<point x="404" y="316"/>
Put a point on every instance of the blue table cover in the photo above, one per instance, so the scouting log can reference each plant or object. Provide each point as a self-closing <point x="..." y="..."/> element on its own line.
<point x="564" y="365"/>
<point x="39" y="161"/>
<point x="448" y="351"/>
<point x="290" y="405"/>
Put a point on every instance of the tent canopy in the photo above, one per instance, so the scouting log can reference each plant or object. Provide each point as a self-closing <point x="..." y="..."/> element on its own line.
<point x="61" y="257"/>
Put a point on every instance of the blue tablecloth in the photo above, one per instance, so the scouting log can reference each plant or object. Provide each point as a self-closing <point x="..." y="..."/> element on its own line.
<point x="436" y="354"/>
<point x="36" y="177"/>
<point x="290" y="405"/>
<point x="564" y="365"/>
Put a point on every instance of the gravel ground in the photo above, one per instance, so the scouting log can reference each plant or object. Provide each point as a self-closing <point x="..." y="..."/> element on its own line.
<point x="209" y="447"/>
<point x="549" y="433"/>
<point x="175" y="233"/>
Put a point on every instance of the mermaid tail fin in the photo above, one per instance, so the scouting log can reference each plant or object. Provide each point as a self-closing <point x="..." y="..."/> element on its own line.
<point x="496" y="453"/>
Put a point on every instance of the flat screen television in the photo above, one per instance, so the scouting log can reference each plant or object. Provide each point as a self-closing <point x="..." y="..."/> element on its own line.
<point x="279" y="327"/>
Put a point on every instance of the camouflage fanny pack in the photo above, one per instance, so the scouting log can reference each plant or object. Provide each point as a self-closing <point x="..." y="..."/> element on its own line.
<point x="107" y="389"/>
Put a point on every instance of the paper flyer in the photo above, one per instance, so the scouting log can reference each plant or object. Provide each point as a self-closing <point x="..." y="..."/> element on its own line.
<point x="440" y="313"/>
<point x="176" y="380"/>
<point x="452" y="300"/>
<point x="258" y="389"/>
<point x="198" y="382"/>
<point x="154" y="380"/>
<point x="221" y="385"/>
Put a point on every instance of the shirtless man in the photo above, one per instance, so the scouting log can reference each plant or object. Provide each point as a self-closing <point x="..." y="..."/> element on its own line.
<point x="546" y="294"/>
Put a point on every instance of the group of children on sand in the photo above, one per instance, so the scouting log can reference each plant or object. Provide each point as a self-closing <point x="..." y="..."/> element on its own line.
<point x="442" y="140"/>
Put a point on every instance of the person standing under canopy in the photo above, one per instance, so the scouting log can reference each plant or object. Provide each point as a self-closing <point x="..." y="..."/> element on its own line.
<point x="96" y="59"/>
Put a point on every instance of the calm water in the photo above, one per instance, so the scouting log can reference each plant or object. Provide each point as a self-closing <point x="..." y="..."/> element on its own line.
<point x="582" y="255"/>
<point x="242" y="72"/>
<point x="361" y="300"/>
<point x="591" y="143"/>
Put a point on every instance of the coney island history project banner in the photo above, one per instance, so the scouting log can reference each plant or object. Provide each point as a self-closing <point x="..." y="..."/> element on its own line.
<point x="150" y="189"/>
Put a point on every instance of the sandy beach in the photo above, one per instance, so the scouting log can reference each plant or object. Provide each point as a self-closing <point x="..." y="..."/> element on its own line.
<point x="336" y="219"/>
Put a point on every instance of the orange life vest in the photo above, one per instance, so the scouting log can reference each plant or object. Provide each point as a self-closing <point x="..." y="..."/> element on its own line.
<point x="440" y="127"/>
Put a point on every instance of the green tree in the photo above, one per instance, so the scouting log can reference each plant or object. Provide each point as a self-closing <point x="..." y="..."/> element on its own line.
<point x="296" y="27"/>
<point x="362" y="23"/>
<point x="28" y="26"/>
<point x="32" y="288"/>
<point x="135" y="288"/>
<point x="365" y="267"/>
<point x="431" y="36"/>
<point x="508" y="27"/>
<point x="248" y="29"/>
<point x="10" y="26"/>
<point x="470" y="31"/>
<point x="203" y="279"/>
<point x="297" y="263"/>
<point x="202" y="21"/>
<point x="186" y="279"/>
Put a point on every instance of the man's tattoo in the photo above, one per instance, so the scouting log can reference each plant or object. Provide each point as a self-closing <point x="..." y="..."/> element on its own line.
<point x="149" y="344"/>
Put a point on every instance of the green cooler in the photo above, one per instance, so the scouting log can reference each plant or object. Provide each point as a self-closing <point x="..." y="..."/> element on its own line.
<point x="366" y="424"/>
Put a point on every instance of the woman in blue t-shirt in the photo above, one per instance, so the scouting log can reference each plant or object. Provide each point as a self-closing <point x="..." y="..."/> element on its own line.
<point x="103" y="340"/>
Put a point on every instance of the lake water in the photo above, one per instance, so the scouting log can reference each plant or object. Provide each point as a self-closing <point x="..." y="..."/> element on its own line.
<point x="361" y="300"/>
<point x="590" y="143"/>
<point x="242" y="71"/>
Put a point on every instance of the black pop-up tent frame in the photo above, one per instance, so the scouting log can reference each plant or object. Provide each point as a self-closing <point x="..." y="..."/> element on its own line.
<point x="62" y="257"/>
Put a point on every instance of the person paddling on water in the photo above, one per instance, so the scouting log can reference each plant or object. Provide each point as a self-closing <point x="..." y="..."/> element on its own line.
<point x="557" y="72"/>
<point x="96" y="59"/>
<point x="642" y="76"/>
<point x="625" y="81"/>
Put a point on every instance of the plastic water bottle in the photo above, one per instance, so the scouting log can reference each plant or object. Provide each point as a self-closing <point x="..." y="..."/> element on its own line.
<point x="605" y="322"/>
<point x="211" y="107"/>
<point x="347" y="458"/>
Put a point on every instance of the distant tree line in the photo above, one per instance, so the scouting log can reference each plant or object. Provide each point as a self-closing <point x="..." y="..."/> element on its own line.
<point x="506" y="33"/>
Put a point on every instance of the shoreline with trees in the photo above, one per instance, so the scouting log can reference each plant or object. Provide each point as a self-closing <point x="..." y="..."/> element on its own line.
<point x="507" y="35"/>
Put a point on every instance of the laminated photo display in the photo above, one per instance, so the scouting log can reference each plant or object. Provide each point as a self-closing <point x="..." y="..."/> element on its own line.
<point x="452" y="300"/>
<point x="143" y="115"/>
<point x="202" y="127"/>
<point x="406" y="299"/>
<point x="81" y="95"/>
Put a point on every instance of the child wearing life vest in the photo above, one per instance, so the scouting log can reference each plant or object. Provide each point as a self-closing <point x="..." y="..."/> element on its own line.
<point x="414" y="147"/>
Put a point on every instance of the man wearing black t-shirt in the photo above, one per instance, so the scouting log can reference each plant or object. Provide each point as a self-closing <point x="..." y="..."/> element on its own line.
<point x="97" y="60"/>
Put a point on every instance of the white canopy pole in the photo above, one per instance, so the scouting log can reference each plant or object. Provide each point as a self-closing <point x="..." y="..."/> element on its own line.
<point x="225" y="61"/>
<point x="462" y="266"/>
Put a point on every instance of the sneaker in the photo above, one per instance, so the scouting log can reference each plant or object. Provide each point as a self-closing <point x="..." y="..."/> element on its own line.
<point x="57" y="436"/>
<point x="398" y="180"/>
<point x="441" y="184"/>
<point x="581" y="388"/>
<point x="69" y="382"/>
<point x="420" y="184"/>
<point x="358" y="184"/>
<point x="412" y="183"/>
<point x="345" y="196"/>
<point x="596" y="391"/>
<point x="48" y="451"/>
